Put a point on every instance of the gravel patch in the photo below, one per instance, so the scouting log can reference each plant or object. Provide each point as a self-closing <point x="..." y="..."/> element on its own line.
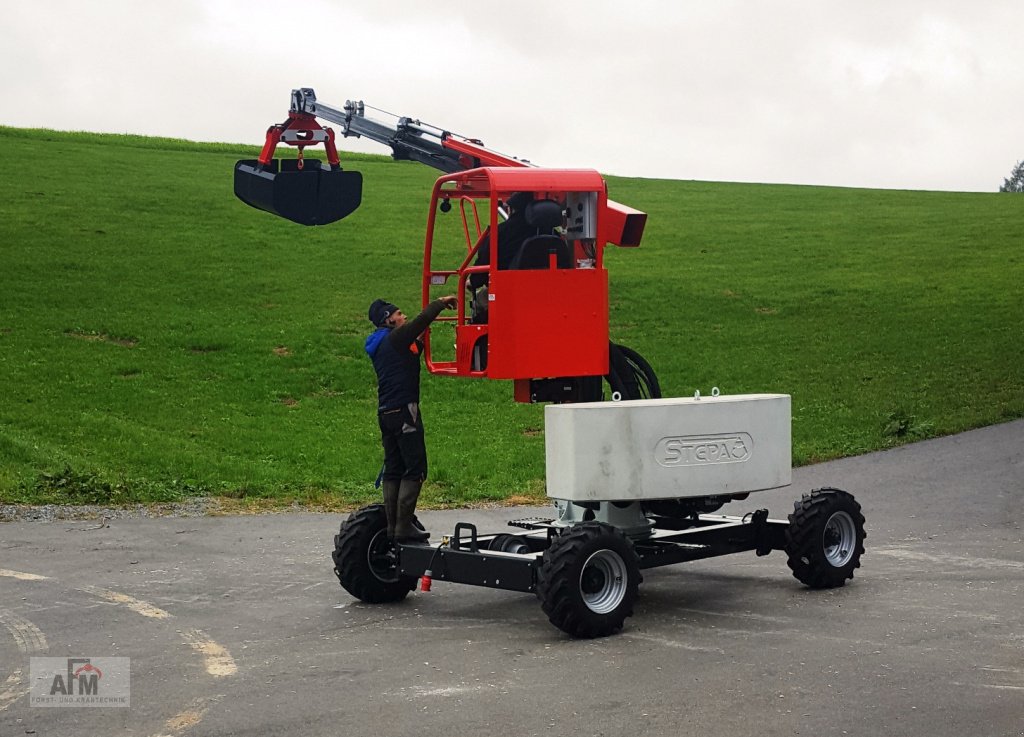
<point x="198" y="507"/>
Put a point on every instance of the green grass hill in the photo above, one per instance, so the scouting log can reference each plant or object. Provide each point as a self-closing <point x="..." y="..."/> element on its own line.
<point x="159" y="339"/>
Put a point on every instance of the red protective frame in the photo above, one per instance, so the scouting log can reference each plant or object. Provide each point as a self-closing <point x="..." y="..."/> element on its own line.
<point x="542" y="323"/>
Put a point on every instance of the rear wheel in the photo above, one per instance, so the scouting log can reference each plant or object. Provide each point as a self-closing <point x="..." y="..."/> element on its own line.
<point x="365" y="561"/>
<point x="588" y="580"/>
<point x="825" y="538"/>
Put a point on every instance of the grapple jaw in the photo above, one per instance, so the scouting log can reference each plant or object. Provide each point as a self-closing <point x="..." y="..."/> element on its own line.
<point x="315" y="194"/>
<point x="308" y="192"/>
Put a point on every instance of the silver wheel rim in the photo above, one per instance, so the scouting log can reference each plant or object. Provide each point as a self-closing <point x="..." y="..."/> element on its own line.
<point x="839" y="539"/>
<point x="381" y="558"/>
<point x="603" y="581"/>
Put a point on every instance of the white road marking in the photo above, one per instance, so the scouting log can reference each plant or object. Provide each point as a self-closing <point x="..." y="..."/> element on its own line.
<point x="217" y="659"/>
<point x="989" y="685"/>
<point x="136" y="605"/>
<point x="737" y="615"/>
<point x="960" y="561"/>
<point x="219" y="662"/>
<point x="997" y="686"/>
<point x="422" y="692"/>
<point x="22" y="576"/>
<point x="189" y="718"/>
<point x="666" y="642"/>
<point x="30" y="639"/>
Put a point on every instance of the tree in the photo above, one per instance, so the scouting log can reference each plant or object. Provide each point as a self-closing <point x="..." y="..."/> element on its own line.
<point x="1016" y="181"/>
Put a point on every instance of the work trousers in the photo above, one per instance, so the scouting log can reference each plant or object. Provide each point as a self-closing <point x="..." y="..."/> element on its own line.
<point x="405" y="450"/>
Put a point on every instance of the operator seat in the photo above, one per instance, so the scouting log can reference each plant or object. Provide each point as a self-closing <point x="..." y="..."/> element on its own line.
<point x="533" y="254"/>
<point x="545" y="216"/>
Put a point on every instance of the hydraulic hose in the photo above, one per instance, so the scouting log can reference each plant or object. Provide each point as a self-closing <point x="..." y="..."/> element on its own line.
<point x="630" y="375"/>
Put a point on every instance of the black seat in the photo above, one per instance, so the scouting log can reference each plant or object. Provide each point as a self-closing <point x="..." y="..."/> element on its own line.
<point x="545" y="216"/>
<point x="533" y="254"/>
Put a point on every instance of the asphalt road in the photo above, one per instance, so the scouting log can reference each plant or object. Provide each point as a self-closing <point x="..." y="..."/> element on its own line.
<point x="237" y="626"/>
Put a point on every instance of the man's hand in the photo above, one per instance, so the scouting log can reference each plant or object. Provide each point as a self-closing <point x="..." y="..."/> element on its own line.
<point x="451" y="301"/>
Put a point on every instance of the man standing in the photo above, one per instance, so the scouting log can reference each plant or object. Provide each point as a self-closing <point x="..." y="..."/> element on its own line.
<point x="395" y="349"/>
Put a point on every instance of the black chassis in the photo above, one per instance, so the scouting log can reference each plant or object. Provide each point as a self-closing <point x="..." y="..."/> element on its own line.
<point x="464" y="556"/>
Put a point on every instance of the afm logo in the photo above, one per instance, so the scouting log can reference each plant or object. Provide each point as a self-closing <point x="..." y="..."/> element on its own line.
<point x="80" y="682"/>
<point x="704" y="450"/>
<point x="82" y="672"/>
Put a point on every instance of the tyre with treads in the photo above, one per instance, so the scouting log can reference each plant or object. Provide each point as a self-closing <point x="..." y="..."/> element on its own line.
<point x="825" y="538"/>
<point x="588" y="580"/>
<point x="365" y="561"/>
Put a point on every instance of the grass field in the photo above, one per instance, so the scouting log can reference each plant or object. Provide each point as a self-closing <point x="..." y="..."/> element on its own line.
<point x="159" y="339"/>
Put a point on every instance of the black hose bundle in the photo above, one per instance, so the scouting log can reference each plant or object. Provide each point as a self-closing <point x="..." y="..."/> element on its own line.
<point x="630" y="375"/>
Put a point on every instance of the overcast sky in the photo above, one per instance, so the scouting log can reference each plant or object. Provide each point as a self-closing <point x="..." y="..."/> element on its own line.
<point x="917" y="94"/>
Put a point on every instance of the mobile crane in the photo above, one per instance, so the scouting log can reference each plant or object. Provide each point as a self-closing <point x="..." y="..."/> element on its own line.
<point x="634" y="481"/>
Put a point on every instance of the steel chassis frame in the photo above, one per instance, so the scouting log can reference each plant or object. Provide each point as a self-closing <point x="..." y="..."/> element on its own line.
<point x="463" y="557"/>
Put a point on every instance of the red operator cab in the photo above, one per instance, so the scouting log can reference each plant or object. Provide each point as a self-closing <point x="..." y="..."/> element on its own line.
<point x="543" y="311"/>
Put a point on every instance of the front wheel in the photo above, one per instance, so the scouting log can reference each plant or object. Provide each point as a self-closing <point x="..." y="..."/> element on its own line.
<point x="365" y="561"/>
<point x="825" y="538"/>
<point x="588" y="580"/>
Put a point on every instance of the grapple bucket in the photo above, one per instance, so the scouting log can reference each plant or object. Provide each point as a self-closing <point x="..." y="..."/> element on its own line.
<point x="316" y="194"/>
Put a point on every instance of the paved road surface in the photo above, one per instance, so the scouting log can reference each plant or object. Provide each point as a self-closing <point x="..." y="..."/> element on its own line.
<point x="237" y="626"/>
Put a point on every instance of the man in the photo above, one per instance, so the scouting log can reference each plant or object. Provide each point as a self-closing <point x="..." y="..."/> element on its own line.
<point x="511" y="234"/>
<point x="395" y="349"/>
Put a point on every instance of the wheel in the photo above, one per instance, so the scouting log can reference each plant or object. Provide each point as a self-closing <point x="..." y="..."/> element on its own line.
<point x="365" y="562"/>
<point x="588" y="580"/>
<point x="825" y="538"/>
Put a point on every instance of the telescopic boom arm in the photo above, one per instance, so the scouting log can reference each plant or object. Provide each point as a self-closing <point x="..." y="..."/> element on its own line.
<point x="316" y="194"/>
<point x="410" y="140"/>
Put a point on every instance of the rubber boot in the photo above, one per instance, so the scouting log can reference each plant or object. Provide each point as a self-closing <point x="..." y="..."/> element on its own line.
<point x="390" y="489"/>
<point x="405" y="530"/>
